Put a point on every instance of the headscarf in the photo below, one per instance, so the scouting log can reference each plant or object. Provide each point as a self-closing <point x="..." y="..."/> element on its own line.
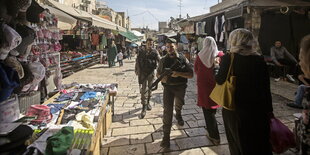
<point x="242" y="41"/>
<point x="208" y="52"/>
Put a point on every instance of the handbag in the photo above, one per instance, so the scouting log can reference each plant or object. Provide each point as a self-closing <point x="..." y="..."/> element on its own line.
<point x="223" y="94"/>
<point x="281" y="137"/>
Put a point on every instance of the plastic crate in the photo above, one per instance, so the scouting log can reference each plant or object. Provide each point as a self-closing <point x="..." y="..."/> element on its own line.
<point x="26" y="101"/>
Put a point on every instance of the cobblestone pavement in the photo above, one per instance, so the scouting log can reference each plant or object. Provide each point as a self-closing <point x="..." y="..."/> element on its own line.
<point x="131" y="135"/>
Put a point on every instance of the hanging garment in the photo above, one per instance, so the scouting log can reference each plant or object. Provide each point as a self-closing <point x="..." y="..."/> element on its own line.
<point x="200" y="43"/>
<point x="223" y="29"/>
<point x="12" y="38"/>
<point x="216" y="30"/>
<point x="203" y="28"/>
<point x="9" y="80"/>
<point x="104" y="41"/>
<point x="95" y="39"/>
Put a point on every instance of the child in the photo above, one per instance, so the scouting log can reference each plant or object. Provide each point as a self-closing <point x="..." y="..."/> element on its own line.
<point x="120" y="57"/>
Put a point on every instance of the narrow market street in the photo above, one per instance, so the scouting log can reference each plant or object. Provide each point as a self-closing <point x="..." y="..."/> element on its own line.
<point x="131" y="135"/>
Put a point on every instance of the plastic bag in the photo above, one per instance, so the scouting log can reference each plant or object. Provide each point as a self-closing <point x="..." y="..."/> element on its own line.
<point x="281" y="137"/>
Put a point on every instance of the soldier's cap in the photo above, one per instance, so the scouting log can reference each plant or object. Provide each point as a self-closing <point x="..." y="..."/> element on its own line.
<point x="171" y="40"/>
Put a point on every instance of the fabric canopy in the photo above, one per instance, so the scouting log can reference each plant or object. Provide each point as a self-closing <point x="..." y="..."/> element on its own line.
<point x="71" y="11"/>
<point x="129" y="35"/>
<point x="101" y="22"/>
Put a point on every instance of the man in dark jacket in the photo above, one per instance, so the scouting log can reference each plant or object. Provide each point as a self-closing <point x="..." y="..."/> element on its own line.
<point x="174" y="87"/>
<point x="146" y="64"/>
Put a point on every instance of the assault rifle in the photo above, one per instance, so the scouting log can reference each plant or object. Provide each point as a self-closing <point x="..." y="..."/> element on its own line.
<point x="167" y="71"/>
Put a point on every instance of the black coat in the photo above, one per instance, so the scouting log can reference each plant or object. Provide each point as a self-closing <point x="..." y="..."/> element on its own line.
<point x="252" y="99"/>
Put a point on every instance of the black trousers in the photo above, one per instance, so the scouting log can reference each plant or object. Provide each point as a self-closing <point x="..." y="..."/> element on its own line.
<point x="211" y="123"/>
<point x="289" y="65"/>
<point x="247" y="133"/>
<point x="172" y="94"/>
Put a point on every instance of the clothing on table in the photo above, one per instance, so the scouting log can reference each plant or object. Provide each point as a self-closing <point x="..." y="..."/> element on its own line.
<point x="65" y="97"/>
<point x="88" y="95"/>
<point x="253" y="105"/>
<point x="60" y="142"/>
<point x="69" y="114"/>
<point x="89" y="103"/>
<point x="55" y="107"/>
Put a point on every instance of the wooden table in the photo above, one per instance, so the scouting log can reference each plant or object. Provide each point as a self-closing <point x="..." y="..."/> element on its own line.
<point x="104" y="121"/>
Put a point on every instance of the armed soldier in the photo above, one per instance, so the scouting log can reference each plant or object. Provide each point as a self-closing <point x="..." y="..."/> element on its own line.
<point x="174" y="87"/>
<point x="146" y="64"/>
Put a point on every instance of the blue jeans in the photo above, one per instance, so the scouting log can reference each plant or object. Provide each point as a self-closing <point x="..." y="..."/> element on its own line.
<point x="300" y="94"/>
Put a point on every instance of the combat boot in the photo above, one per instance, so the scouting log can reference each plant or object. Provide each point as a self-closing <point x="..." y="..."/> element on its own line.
<point x="143" y="112"/>
<point x="165" y="143"/>
<point x="149" y="107"/>
<point x="180" y="119"/>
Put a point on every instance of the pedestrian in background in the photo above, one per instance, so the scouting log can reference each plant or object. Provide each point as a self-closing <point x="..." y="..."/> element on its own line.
<point x="145" y="66"/>
<point x="247" y="127"/>
<point x="120" y="58"/>
<point x="112" y="52"/>
<point x="204" y="69"/>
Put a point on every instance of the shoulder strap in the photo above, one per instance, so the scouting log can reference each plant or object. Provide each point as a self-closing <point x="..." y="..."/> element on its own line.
<point x="230" y="70"/>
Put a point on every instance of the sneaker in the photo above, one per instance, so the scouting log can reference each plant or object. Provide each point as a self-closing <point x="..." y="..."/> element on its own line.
<point x="293" y="105"/>
<point x="214" y="141"/>
<point x="277" y="79"/>
<point x="290" y="77"/>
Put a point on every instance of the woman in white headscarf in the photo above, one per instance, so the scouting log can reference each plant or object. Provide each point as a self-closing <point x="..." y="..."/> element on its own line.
<point x="204" y="66"/>
<point x="247" y="127"/>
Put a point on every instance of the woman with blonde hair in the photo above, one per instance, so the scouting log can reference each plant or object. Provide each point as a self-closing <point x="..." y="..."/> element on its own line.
<point x="304" y="57"/>
<point x="247" y="126"/>
<point x="204" y="69"/>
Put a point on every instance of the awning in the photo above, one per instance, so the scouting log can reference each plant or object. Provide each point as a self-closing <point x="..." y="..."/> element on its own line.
<point x="71" y="11"/>
<point x="278" y="3"/>
<point x="65" y="22"/>
<point x="101" y="22"/>
<point x="79" y="14"/>
<point x="129" y="35"/>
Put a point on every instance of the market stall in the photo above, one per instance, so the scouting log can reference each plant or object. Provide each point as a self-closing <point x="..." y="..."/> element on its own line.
<point x="30" y="69"/>
<point x="84" y="111"/>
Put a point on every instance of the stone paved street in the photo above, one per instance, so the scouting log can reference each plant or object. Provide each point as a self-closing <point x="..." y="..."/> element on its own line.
<point x="131" y="135"/>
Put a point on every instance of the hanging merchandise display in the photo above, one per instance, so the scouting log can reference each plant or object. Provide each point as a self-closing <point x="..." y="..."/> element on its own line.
<point x="29" y="49"/>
